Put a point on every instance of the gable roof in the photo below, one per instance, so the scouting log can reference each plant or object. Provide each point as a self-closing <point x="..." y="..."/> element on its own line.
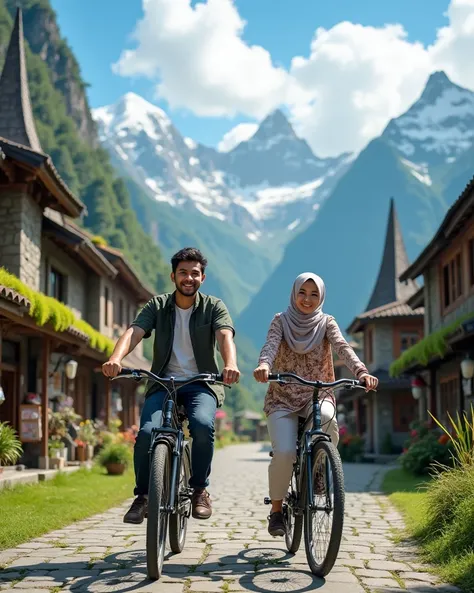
<point x="456" y="217"/>
<point x="396" y="309"/>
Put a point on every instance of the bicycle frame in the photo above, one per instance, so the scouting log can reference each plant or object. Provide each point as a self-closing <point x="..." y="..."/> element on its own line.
<point x="173" y="436"/>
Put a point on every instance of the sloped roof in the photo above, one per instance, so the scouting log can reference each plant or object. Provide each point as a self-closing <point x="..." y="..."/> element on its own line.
<point x="14" y="297"/>
<point x="460" y="212"/>
<point x="391" y="310"/>
<point x="388" y="287"/>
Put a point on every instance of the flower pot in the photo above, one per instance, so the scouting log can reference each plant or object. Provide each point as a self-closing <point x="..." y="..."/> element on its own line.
<point x="81" y="453"/>
<point x="63" y="454"/>
<point x="90" y="452"/>
<point x="115" y="469"/>
<point x="56" y="463"/>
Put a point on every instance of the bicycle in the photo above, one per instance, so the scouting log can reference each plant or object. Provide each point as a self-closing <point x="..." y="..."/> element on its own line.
<point x="316" y="471"/>
<point x="169" y="495"/>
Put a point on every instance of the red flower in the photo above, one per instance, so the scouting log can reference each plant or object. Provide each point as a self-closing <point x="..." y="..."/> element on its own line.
<point x="414" y="434"/>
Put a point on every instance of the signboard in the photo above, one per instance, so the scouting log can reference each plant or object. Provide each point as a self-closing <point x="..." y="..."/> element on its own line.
<point x="30" y="423"/>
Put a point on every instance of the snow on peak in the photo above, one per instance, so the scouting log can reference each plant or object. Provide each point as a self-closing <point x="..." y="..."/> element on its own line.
<point x="132" y="112"/>
<point x="441" y="121"/>
<point x="275" y="124"/>
<point x="190" y="143"/>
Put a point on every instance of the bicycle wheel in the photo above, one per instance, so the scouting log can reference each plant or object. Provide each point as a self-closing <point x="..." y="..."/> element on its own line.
<point x="323" y="524"/>
<point x="179" y="520"/>
<point x="158" y="496"/>
<point x="294" y="523"/>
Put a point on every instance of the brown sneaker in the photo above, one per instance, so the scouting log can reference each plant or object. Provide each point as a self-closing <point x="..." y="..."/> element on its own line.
<point x="137" y="512"/>
<point x="276" y="524"/>
<point x="201" y="504"/>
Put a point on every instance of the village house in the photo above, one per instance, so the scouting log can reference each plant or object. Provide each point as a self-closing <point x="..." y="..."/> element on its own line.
<point x="50" y="353"/>
<point x="387" y="328"/>
<point x="441" y="365"/>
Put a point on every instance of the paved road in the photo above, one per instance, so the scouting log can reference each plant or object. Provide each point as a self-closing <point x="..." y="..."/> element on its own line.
<point x="230" y="552"/>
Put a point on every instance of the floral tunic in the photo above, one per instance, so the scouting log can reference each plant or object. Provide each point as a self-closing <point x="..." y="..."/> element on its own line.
<point x="316" y="365"/>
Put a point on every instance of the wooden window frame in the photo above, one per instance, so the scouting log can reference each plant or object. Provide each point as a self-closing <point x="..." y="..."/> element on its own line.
<point x="453" y="378"/>
<point x="62" y="292"/>
<point x="460" y="295"/>
<point x="106" y="306"/>
<point x="369" y="346"/>
<point x="397" y="405"/>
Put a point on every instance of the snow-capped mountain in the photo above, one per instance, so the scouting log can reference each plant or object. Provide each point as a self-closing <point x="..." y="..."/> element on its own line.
<point x="269" y="185"/>
<point x="437" y="129"/>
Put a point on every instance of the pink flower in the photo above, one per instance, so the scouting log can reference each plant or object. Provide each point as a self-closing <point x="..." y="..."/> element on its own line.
<point x="414" y="434"/>
<point x="342" y="430"/>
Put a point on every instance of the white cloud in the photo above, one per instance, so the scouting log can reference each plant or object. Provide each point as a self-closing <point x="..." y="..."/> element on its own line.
<point x="239" y="134"/>
<point x="342" y="94"/>
<point x="201" y="60"/>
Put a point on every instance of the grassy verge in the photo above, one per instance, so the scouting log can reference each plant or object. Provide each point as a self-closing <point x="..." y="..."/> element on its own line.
<point x="29" y="511"/>
<point x="438" y="520"/>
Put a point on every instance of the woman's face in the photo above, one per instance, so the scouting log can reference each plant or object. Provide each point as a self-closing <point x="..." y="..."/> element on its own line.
<point x="307" y="299"/>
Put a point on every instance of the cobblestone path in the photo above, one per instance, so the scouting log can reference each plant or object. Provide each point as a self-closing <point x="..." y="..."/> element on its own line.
<point x="230" y="552"/>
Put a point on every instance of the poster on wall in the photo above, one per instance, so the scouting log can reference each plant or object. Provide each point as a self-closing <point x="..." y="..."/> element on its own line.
<point x="30" y="423"/>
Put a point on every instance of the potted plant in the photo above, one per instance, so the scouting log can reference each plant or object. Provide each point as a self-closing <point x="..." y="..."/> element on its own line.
<point x="115" y="458"/>
<point x="56" y="459"/>
<point x="88" y="435"/>
<point x="10" y="445"/>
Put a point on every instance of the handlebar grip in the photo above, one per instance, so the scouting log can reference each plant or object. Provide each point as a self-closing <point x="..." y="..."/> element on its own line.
<point x="219" y="378"/>
<point x="125" y="371"/>
<point x="273" y="377"/>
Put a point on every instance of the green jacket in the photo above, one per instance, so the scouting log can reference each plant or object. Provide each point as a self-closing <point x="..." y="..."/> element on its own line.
<point x="209" y="314"/>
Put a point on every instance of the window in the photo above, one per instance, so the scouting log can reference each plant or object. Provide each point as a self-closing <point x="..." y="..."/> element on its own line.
<point x="106" y="307"/>
<point x="452" y="280"/>
<point x="407" y="340"/>
<point x="404" y="411"/>
<point x="450" y="397"/>
<point x="57" y="285"/>
<point x="471" y="262"/>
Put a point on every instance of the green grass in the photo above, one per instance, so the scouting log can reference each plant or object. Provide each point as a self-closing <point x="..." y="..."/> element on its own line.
<point x="448" y="547"/>
<point x="29" y="511"/>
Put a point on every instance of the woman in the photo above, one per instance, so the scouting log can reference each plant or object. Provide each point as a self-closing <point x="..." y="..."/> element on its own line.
<point x="299" y="341"/>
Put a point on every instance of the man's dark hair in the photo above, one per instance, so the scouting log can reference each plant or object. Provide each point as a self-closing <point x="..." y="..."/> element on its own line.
<point x="188" y="254"/>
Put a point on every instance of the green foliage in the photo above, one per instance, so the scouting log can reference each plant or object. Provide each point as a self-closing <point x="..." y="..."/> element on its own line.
<point x="115" y="453"/>
<point x="10" y="445"/>
<point x="45" y="309"/>
<point x="351" y="447"/>
<point x="425" y="451"/>
<point x="431" y="346"/>
<point x="86" y="169"/>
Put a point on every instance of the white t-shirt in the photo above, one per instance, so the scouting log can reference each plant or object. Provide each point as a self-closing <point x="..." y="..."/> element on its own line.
<point x="182" y="362"/>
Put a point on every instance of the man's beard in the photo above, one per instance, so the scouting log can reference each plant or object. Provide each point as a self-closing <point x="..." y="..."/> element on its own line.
<point x="191" y="291"/>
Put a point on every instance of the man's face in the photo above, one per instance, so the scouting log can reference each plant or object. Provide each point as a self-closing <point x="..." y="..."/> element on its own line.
<point x="188" y="277"/>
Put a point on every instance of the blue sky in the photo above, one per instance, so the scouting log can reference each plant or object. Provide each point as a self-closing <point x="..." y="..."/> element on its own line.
<point x="98" y="32"/>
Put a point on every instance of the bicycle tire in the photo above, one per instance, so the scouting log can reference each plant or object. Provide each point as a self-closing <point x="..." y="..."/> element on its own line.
<point x="322" y="567"/>
<point x="179" y="521"/>
<point x="158" y="495"/>
<point x="294" y="523"/>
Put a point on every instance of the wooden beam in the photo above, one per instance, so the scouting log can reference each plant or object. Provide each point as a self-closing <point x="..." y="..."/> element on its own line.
<point x="108" y="400"/>
<point x="44" y="396"/>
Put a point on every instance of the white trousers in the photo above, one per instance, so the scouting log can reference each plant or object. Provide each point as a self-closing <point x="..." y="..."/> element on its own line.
<point x="283" y="430"/>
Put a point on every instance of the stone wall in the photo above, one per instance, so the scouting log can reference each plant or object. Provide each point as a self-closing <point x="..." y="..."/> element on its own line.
<point x="20" y="236"/>
<point x="76" y="277"/>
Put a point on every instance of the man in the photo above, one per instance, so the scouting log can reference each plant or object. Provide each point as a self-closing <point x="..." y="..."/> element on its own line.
<point x="187" y="324"/>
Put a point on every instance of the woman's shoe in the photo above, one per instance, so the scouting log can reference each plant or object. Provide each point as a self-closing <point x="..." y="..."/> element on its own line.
<point x="276" y="524"/>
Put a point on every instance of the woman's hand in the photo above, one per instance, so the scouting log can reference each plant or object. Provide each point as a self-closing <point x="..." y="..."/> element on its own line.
<point x="261" y="373"/>
<point x="369" y="381"/>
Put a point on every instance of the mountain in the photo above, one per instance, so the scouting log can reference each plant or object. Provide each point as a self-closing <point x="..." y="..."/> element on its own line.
<point x="266" y="187"/>
<point x="422" y="160"/>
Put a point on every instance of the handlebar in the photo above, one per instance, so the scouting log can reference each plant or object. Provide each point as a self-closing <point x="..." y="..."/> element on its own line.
<point x="280" y="378"/>
<point x="138" y="374"/>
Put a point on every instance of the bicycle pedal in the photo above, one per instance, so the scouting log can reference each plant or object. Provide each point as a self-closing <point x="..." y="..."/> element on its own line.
<point x="267" y="500"/>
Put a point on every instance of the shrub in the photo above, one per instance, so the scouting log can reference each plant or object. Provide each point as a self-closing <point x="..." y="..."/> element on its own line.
<point x="351" y="447"/>
<point x="115" y="453"/>
<point x="424" y="453"/>
<point x="10" y="445"/>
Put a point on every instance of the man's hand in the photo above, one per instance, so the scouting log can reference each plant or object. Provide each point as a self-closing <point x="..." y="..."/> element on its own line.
<point x="231" y="374"/>
<point x="111" y="368"/>
<point x="369" y="381"/>
<point x="261" y="373"/>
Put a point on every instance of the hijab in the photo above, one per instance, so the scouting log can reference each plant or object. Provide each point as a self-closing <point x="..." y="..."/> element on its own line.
<point x="304" y="331"/>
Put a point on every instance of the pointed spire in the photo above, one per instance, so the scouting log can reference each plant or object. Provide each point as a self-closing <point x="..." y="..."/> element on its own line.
<point x="16" y="116"/>
<point x="388" y="288"/>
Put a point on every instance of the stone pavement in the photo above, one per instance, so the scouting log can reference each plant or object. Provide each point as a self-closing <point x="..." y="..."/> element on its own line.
<point x="230" y="552"/>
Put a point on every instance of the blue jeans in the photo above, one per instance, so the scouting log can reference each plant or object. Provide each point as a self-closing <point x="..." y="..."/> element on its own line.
<point x="201" y="405"/>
